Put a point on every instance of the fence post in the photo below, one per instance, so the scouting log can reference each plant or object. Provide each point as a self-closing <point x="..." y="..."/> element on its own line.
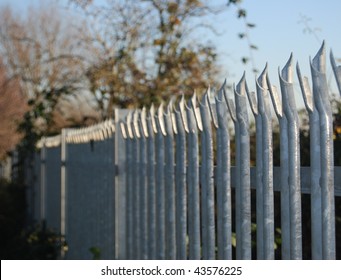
<point x="243" y="195"/>
<point x="135" y="191"/>
<point x="284" y="168"/>
<point x="315" y="168"/>
<point x="120" y="187"/>
<point x="289" y="109"/>
<point x="267" y="166"/>
<point x="259" y="174"/>
<point x="181" y="191"/>
<point x="128" y="135"/>
<point x="141" y="127"/>
<point x="152" y="237"/>
<point x="63" y="187"/>
<point x="43" y="181"/>
<point x="193" y="181"/>
<point x="169" y="186"/>
<point x="203" y="192"/>
<point x="321" y="98"/>
<point x="160" y="185"/>
<point x="223" y="180"/>
<point x="207" y="184"/>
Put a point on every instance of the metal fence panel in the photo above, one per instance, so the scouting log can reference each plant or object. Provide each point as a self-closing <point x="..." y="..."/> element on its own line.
<point x="173" y="203"/>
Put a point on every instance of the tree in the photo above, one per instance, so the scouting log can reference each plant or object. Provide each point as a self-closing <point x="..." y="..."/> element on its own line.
<point x="41" y="52"/>
<point x="145" y="51"/>
<point x="12" y="108"/>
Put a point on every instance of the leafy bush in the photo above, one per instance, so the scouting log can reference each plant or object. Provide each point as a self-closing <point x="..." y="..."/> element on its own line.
<point x="17" y="240"/>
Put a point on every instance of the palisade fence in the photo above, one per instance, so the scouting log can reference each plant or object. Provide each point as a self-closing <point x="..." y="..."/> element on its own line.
<point x="159" y="184"/>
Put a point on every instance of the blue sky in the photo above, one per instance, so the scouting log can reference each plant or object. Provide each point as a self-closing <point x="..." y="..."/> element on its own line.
<point x="277" y="34"/>
<point x="278" y="31"/>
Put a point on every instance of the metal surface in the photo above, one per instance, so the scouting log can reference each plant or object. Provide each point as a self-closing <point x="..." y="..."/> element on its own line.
<point x="243" y="189"/>
<point x="135" y="190"/>
<point x="290" y="112"/>
<point x="264" y="168"/>
<point x="194" y="235"/>
<point x="151" y="128"/>
<point x="180" y="182"/>
<point x="223" y="180"/>
<point x="207" y="184"/>
<point x="284" y="172"/>
<point x="169" y="186"/>
<point x="129" y="181"/>
<point x="142" y="188"/>
<point x="160" y="184"/>
<point x="321" y="99"/>
<point x="315" y="165"/>
<point x="165" y="205"/>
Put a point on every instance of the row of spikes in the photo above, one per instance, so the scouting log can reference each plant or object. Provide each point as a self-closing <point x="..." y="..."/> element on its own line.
<point x="97" y="132"/>
<point x="137" y="122"/>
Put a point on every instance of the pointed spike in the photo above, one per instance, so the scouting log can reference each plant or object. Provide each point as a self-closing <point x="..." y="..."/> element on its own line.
<point x="220" y="95"/>
<point x="152" y="110"/>
<point x="160" y="113"/>
<point x="194" y="100"/>
<point x="173" y="121"/>
<point x="287" y="72"/>
<point x="170" y="105"/>
<point x="204" y="99"/>
<point x="238" y="89"/>
<point x="243" y="76"/>
<point x="319" y="61"/>
<point x="275" y="98"/>
<point x="143" y="113"/>
<point x="261" y="81"/>
<point x="135" y="123"/>
<point x="181" y="107"/>
<point x="129" y="125"/>
<point x="232" y="109"/>
<point x="143" y="119"/>
<point x="230" y="105"/>
<point x="253" y="101"/>
<point x="196" y="113"/>
<point x="265" y="70"/>
<point x="152" y="118"/>
<point x="181" y="104"/>
<point x="160" y="110"/>
<point x="213" y="116"/>
<point x="305" y="89"/>
<point x="223" y="85"/>
<point x="208" y="90"/>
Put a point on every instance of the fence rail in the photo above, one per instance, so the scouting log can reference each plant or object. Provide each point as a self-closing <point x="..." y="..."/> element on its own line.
<point x="161" y="185"/>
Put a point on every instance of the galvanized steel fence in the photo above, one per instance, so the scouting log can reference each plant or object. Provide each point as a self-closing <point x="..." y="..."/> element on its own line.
<point x="172" y="192"/>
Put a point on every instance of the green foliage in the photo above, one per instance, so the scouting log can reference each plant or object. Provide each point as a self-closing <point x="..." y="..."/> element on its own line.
<point x="154" y="54"/>
<point x="245" y="35"/>
<point x="96" y="253"/>
<point x="17" y="241"/>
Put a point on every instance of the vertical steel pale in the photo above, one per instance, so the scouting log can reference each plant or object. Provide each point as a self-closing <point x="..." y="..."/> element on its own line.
<point x="315" y="168"/>
<point x="243" y="194"/>
<point x="141" y="127"/>
<point x="151" y="128"/>
<point x="284" y="168"/>
<point x="169" y="186"/>
<point x="193" y="182"/>
<point x="223" y="180"/>
<point x="321" y="98"/>
<point x="160" y="184"/>
<point x="207" y="185"/>
<point x="180" y="181"/>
